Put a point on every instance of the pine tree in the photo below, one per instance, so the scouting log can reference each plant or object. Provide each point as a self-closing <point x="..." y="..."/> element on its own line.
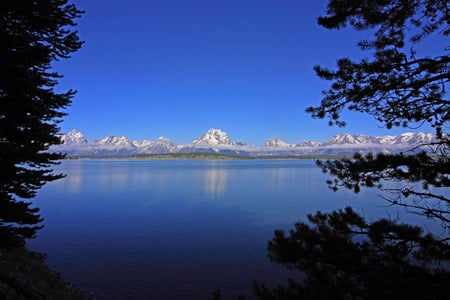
<point x="341" y="255"/>
<point x="400" y="85"/>
<point x="33" y="34"/>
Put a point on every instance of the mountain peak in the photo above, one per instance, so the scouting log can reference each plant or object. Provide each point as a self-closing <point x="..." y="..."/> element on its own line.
<point x="214" y="137"/>
<point x="115" y="140"/>
<point x="73" y="137"/>
<point x="345" y="138"/>
<point x="217" y="140"/>
<point x="277" y="143"/>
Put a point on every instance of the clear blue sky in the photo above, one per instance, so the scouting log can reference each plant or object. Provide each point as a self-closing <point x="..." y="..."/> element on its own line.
<point x="180" y="67"/>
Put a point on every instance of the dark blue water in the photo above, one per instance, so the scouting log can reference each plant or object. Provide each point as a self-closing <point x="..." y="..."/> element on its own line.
<point x="130" y="229"/>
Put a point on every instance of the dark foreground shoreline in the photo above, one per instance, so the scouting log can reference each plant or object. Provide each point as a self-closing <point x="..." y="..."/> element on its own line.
<point x="25" y="275"/>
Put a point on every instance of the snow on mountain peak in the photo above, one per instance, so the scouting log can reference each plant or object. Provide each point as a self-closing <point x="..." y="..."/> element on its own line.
<point x="307" y="143"/>
<point x="73" y="137"/>
<point x="415" y="138"/>
<point x="277" y="143"/>
<point x="216" y="140"/>
<point x="116" y="141"/>
<point x="344" y="138"/>
<point x="160" y="145"/>
<point x="214" y="137"/>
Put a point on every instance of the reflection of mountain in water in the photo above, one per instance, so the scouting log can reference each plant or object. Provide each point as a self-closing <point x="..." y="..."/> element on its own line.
<point x="72" y="183"/>
<point x="276" y="178"/>
<point x="215" y="181"/>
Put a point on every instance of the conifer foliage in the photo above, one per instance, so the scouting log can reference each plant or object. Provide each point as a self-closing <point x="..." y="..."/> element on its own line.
<point x="342" y="256"/>
<point x="402" y="82"/>
<point x="33" y="34"/>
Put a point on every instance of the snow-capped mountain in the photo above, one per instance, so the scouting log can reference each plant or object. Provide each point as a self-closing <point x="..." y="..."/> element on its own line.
<point x="112" y="146"/>
<point x="418" y="138"/>
<point x="277" y="143"/>
<point x="414" y="138"/>
<point x="214" y="137"/>
<point x="161" y="145"/>
<point x="342" y="139"/>
<point x="73" y="137"/>
<point x="308" y="144"/>
<point x="216" y="140"/>
<point x="116" y="141"/>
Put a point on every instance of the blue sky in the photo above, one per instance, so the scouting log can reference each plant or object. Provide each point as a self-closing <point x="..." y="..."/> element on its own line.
<point x="180" y="67"/>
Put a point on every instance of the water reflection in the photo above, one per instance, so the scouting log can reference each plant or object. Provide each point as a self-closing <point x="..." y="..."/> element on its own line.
<point x="276" y="178"/>
<point x="168" y="250"/>
<point x="113" y="176"/>
<point x="76" y="174"/>
<point x="71" y="183"/>
<point x="215" y="181"/>
<point x="155" y="222"/>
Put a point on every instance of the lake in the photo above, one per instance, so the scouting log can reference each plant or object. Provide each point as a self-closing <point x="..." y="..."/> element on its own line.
<point x="179" y="229"/>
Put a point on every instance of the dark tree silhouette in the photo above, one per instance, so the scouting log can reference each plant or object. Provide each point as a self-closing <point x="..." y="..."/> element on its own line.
<point x="399" y="85"/>
<point x="341" y="255"/>
<point x="33" y="34"/>
<point x="344" y="257"/>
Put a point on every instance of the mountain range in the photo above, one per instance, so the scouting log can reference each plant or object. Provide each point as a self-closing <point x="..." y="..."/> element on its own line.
<point x="215" y="140"/>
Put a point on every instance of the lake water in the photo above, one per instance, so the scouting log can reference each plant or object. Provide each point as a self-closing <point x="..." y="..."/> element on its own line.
<point x="168" y="229"/>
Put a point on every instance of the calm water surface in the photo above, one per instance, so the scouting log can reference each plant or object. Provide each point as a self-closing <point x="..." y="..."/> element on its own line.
<point x="130" y="229"/>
